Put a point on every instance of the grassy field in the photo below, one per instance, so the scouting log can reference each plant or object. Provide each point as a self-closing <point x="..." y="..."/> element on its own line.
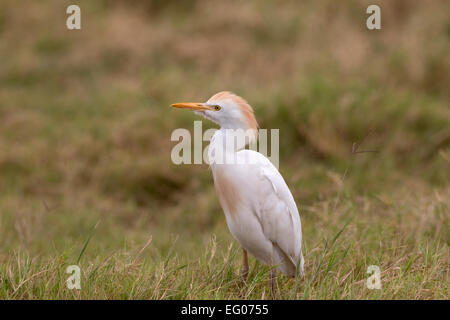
<point x="85" y="125"/>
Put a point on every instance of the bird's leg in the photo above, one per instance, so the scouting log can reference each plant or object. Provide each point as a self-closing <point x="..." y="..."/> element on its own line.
<point x="273" y="281"/>
<point x="244" y="271"/>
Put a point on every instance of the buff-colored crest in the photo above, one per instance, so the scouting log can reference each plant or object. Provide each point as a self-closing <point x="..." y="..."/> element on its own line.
<point x="245" y="108"/>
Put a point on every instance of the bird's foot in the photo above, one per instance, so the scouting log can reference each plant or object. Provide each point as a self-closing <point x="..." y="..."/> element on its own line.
<point x="244" y="275"/>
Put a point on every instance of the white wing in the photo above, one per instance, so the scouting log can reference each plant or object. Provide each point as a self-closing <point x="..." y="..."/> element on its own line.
<point x="266" y="210"/>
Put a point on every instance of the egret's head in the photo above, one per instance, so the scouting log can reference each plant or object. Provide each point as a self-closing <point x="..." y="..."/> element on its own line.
<point x="226" y="109"/>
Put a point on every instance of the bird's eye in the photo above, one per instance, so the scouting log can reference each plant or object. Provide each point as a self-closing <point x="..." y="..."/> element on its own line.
<point x="217" y="108"/>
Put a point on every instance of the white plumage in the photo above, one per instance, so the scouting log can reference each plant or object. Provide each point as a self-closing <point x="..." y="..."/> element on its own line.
<point x="260" y="210"/>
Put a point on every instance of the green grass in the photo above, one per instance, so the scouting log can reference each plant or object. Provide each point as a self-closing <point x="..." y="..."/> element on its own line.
<point x="85" y="125"/>
<point x="339" y="246"/>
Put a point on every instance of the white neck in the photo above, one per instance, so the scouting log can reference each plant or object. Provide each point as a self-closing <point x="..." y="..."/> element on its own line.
<point x="226" y="142"/>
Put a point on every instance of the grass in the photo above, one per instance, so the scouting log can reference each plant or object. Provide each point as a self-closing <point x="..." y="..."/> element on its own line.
<point x="412" y="256"/>
<point x="85" y="125"/>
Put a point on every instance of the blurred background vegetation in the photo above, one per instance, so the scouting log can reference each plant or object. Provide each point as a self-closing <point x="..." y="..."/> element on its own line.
<point x="85" y="122"/>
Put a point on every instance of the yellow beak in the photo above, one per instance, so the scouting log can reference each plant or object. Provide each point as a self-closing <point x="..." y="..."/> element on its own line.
<point x="192" y="106"/>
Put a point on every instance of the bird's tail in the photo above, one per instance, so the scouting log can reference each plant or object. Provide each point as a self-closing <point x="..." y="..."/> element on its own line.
<point x="301" y="266"/>
<point x="288" y="264"/>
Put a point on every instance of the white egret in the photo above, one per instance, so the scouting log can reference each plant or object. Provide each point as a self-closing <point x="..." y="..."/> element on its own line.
<point x="259" y="208"/>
